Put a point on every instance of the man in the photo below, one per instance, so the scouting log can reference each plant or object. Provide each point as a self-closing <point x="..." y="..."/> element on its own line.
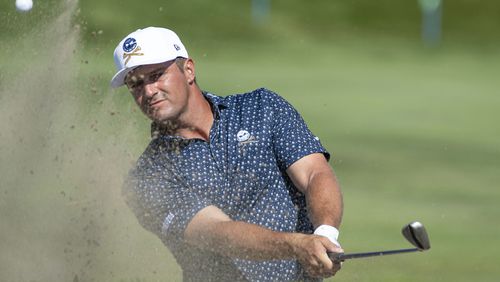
<point x="233" y="186"/>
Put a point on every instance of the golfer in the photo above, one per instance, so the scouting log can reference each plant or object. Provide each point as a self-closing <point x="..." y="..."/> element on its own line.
<point x="236" y="187"/>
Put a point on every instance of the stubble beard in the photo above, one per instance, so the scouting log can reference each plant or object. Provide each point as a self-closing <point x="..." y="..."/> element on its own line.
<point x="168" y="125"/>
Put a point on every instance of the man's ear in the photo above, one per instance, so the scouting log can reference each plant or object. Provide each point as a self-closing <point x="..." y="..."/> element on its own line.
<point x="189" y="70"/>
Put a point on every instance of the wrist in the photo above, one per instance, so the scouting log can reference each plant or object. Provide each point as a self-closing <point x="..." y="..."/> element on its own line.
<point x="329" y="232"/>
<point x="294" y="242"/>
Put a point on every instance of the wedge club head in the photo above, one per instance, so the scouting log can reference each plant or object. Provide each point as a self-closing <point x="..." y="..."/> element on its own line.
<point x="414" y="232"/>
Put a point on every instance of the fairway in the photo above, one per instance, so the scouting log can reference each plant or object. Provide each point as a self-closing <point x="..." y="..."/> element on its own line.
<point x="412" y="132"/>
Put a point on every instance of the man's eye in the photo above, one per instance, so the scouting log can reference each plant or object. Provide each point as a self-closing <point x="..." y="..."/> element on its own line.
<point x="135" y="82"/>
<point x="155" y="76"/>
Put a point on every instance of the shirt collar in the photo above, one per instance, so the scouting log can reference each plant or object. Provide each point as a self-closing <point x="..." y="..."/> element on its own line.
<point x="217" y="103"/>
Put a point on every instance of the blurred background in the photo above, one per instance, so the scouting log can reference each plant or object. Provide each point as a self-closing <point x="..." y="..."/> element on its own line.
<point x="404" y="94"/>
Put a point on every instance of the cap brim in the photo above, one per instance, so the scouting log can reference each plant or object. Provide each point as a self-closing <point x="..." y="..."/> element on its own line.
<point x="119" y="78"/>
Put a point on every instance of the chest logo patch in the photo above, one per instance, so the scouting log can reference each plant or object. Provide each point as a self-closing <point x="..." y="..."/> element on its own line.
<point x="243" y="135"/>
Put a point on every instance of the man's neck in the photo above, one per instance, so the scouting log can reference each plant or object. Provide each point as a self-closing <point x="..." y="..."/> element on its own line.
<point x="197" y="121"/>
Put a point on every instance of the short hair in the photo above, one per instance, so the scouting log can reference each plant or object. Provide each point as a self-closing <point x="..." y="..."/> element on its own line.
<point x="180" y="61"/>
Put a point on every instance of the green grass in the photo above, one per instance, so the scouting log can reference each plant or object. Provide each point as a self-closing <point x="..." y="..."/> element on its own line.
<point x="412" y="131"/>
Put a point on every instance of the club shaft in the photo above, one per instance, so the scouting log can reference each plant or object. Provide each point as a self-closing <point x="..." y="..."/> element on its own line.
<point x="342" y="257"/>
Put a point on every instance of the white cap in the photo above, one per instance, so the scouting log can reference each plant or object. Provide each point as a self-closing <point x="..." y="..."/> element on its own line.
<point x="151" y="45"/>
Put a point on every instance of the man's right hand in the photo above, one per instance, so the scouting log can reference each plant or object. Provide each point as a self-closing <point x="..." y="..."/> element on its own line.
<point x="311" y="252"/>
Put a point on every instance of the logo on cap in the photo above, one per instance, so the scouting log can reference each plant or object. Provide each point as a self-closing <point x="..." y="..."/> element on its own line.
<point x="177" y="47"/>
<point x="129" y="44"/>
<point x="131" y="49"/>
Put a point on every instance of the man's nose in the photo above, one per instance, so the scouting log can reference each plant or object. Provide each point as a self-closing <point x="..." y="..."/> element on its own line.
<point x="150" y="89"/>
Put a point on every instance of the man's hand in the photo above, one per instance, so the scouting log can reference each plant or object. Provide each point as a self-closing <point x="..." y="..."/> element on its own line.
<point x="311" y="252"/>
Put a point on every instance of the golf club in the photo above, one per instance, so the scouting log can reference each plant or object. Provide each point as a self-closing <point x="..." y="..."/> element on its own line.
<point x="414" y="232"/>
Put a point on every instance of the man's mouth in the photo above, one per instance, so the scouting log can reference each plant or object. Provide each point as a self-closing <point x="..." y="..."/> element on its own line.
<point x="154" y="103"/>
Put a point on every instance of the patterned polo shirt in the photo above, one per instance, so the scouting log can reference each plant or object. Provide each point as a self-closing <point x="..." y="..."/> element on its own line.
<point x="255" y="137"/>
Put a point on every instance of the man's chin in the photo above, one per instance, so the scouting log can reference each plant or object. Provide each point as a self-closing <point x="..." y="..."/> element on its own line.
<point x="163" y="118"/>
<point x="160" y="116"/>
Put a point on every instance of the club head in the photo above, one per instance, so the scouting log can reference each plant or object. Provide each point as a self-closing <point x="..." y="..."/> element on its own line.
<point x="416" y="234"/>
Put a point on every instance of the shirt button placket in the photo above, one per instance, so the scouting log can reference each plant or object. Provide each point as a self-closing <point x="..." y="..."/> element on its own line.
<point x="214" y="144"/>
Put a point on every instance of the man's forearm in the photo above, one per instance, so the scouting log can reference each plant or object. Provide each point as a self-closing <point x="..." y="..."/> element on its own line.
<point x="248" y="241"/>
<point x="313" y="176"/>
<point x="324" y="199"/>
<point x="211" y="229"/>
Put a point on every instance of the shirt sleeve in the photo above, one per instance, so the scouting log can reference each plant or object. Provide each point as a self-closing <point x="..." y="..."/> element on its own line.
<point x="161" y="201"/>
<point x="292" y="139"/>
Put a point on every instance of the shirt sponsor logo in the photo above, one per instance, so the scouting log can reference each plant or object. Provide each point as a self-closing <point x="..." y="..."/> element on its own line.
<point x="244" y="137"/>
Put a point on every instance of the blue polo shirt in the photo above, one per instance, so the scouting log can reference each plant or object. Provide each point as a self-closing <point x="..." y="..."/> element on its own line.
<point x="255" y="137"/>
